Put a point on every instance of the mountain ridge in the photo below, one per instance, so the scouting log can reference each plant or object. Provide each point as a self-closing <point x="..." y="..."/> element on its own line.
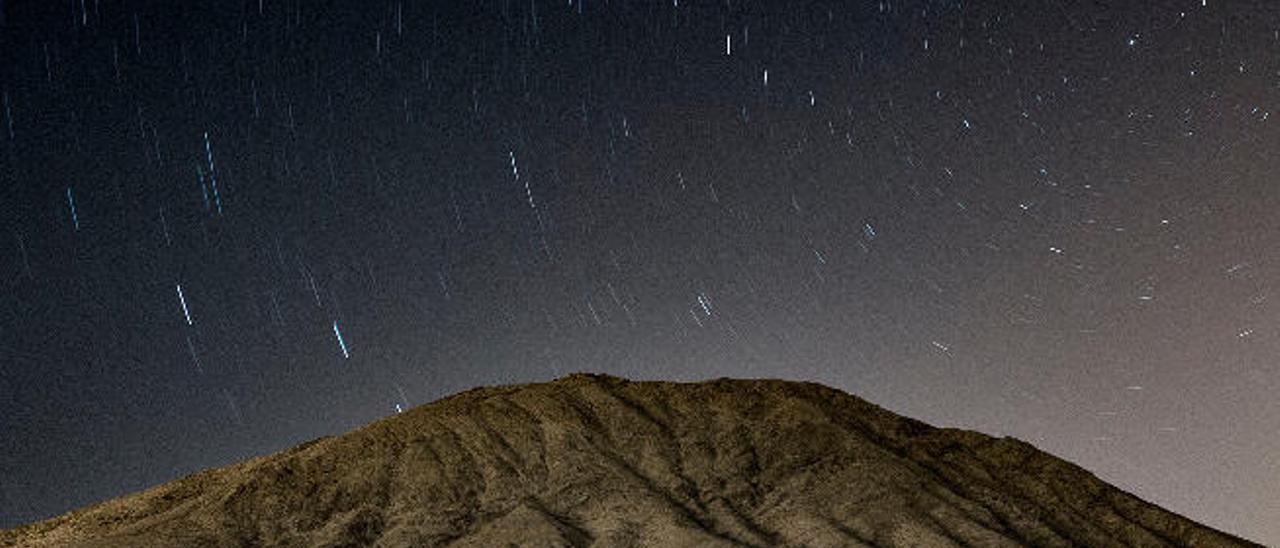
<point x="598" y="460"/>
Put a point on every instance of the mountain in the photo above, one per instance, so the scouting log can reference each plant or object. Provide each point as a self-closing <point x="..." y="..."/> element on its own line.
<point x="592" y="460"/>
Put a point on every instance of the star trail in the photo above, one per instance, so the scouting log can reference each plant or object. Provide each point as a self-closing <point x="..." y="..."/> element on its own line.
<point x="1055" y="220"/>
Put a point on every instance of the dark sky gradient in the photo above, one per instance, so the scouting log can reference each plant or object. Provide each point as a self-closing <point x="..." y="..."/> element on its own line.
<point x="1054" y="220"/>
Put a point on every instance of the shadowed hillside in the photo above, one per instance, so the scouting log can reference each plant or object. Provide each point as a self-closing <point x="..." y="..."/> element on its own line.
<point x="601" y="461"/>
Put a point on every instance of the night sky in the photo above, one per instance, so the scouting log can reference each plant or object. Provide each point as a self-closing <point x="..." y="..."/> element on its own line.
<point x="232" y="226"/>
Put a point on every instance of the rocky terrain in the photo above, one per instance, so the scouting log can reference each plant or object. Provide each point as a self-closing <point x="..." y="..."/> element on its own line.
<point x="600" y="461"/>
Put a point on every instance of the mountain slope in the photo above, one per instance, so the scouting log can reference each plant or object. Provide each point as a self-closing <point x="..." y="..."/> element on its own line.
<point x="595" y="460"/>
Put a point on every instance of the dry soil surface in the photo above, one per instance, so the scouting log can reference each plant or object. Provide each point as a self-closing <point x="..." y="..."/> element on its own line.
<point x="592" y="460"/>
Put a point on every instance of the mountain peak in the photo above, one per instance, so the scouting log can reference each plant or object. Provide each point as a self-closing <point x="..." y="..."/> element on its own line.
<point x="597" y="460"/>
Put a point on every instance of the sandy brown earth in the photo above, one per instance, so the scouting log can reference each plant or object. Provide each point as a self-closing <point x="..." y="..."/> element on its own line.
<point x="600" y="461"/>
